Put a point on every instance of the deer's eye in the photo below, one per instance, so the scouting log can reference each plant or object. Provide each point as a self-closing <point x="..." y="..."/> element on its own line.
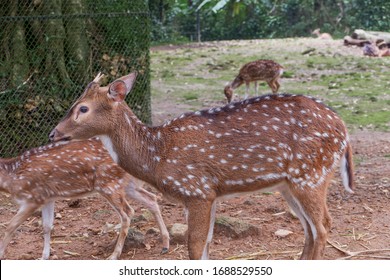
<point x="83" y="109"/>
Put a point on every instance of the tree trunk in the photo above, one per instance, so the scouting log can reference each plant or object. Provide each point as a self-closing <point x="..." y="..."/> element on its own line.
<point x="371" y="35"/>
<point x="76" y="40"/>
<point x="20" y="67"/>
<point x="54" y="37"/>
<point x="348" y="40"/>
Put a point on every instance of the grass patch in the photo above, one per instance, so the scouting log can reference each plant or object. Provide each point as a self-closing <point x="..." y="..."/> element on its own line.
<point x="356" y="86"/>
<point x="190" y="96"/>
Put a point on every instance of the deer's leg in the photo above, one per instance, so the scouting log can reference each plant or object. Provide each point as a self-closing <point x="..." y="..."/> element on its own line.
<point x="256" y="89"/>
<point x="276" y="85"/>
<point x="120" y="204"/>
<point x="24" y="212"/>
<point x="47" y="221"/>
<point x="272" y="86"/>
<point x="246" y="90"/>
<point x="297" y="208"/>
<point x="149" y="200"/>
<point x="201" y="217"/>
<point x="313" y="208"/>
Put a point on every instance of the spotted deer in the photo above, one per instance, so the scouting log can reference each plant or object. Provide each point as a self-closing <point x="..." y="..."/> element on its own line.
<point x="323" y="36"/>
<point x="259" y="70"/>
<point x="279" y="142"/>
<point x="42" y="175"/>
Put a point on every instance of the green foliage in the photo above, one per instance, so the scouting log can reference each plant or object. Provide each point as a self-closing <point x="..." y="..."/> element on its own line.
<point x="247" y="19"/>
<point x="60" y="46"/>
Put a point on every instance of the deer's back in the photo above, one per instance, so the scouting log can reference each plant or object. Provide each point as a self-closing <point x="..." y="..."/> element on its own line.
<point x="65" y="170"/>
<point x="260" y="70"/>
<point x="260" y="139"/>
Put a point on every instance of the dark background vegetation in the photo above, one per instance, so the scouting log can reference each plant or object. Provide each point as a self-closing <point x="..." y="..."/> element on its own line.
<point x="49" y="52"/>
<point x="176" y="20"/>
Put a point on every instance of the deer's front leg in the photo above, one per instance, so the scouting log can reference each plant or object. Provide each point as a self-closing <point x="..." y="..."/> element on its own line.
<point x="201" y="218"/>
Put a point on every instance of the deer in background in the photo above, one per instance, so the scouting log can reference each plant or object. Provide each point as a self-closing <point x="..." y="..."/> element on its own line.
<point x="324" y="36"/>
<point x="42" y="175"/>
<point x="286" y="143"/>
<point x="259" y="70"/>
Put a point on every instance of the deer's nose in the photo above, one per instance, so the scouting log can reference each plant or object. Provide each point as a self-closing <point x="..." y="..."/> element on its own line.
<point x="52" y="134"/>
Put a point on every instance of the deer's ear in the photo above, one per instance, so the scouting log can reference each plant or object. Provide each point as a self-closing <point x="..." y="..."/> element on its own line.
<point x="121" y="87"/>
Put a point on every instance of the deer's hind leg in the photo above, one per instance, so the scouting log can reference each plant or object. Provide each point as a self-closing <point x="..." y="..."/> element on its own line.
<point x="136" y="192"/>
<point x="25" y="211"/>
<point x="310" y="206"/>
<point x="118" y="201"/>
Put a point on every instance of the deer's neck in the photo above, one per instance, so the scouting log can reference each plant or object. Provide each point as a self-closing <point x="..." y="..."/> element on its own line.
<point x="134" y="146"/>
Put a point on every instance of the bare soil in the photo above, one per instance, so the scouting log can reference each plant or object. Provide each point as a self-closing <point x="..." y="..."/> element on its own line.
<point x="360" y="221"/>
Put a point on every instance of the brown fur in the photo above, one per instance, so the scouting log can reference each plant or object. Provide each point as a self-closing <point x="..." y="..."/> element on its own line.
<point x="323" y="36"/>
<point x="282" y="142"/>
<point x="259" y="70"/>
<point x="42" y="175"/>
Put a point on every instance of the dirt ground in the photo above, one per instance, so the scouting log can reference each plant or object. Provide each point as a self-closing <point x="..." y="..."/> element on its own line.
<point x="360" y="221"/>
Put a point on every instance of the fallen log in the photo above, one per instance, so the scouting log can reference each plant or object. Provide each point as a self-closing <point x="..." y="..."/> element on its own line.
<point x="348" y="40"/>
<point x="373" y="36"/>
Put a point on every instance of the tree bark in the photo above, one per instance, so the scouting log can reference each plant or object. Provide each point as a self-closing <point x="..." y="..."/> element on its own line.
<point x="54" y="37"/>
<point x="20" y="67"/>
<point x="371" y="35"/>
<point x="348" y="40"/>
<point x="76" y="39"/>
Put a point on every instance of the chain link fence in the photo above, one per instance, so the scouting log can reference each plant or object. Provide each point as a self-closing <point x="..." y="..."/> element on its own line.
<point x="49" y="52"/>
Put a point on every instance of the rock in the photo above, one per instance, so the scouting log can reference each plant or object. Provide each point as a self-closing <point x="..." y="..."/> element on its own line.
<point x="153" y="231"/>
<point x="145" y="216"/>
<point x="178" y="233"/>
<point x="134" y="239"/>
<point x="27" y="256"/>
<point x="283" y="233"/>
<point x="58" y="216"/>
<point x="234" y="228"/>
<point x="75" y="203"/>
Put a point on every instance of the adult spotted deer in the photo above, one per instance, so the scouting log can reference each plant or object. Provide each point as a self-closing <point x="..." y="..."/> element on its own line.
<point x="259" y="70"/>
<point x="42" y="175"/>
<point x="288" y="143"/>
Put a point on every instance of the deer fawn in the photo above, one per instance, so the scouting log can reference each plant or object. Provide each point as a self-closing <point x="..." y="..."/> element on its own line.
<point x="67" y="170"/>
<point x="288" y="143"/>
<point x="259" y="70"/>
<point x="324" y="36"/>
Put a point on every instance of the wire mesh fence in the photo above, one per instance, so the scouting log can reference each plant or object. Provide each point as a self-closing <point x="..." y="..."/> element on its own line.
<point x="50" y="50"/>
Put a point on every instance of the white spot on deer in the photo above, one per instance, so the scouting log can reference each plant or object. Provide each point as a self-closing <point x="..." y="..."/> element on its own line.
<point x="156" y="158"/>
<point x="223" y="161"/>
<point x="211" y="156"/>
<point x="264" y="128"/>
<point x="234" y="167"/>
